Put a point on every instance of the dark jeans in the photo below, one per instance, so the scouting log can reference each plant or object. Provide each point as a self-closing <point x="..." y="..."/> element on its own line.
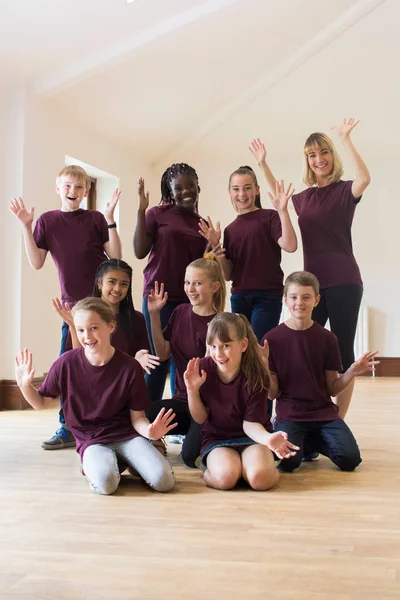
<point x="341" y="306"/>
<point x="156" y="381"/>
<point x="262" y="308"/>
<point x="186" y="426"/>
<point x="64" y="336"/>
<point x="333" y="439"/>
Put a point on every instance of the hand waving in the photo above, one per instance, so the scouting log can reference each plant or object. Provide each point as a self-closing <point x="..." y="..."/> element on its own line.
<point x="346" y="127"/>
<point x="157" y="298"/>
<point x="143" y="196"/>
<point x="110" y="207"/>
<point x="64" y="311"/>
<point x="279" y="444"/>
<point x="264" y="351"/>
<point x="211" y="233"/>
<point x="147" y="361"/>
<point x="258" y="150"/>
<point x="161" y="424"/>
<point x="192" y="376"/>
<point x="24" y="373"/>
<point x="365" y="363"/>
<point x="18" y="209"/>
<point x="282" y="196"/>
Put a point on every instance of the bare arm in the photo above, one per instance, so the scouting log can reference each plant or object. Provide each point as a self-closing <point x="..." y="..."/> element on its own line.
<point x="155" y="430"/>
<point x="362" y="175"/>
<point x="226" y="263"/>
<point x="24" y="373"/>
<point x="66" y="315"/>
<point x="276" y="442"/>
<point x="273" y="389"/>
<point x="257" y="149"/>
<point x="193" y="381"/>
<point x="288" y="239"/>
<point x="156" y="301"/>
<point x="337" y="383"/>
<point x="36" y="256"/>
<point x="113" y="248"/>
<point x="142" y="242"/>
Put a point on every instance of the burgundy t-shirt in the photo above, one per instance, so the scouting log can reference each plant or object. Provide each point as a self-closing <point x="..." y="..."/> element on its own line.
<point x="251" y="243"/>
<point x="130" y="344"/>
<point x="176" y="243"/>
<point x="325" y="219"/>
<point x="75" y="241"/>
<point x="186" y="332"/>
<point x="300" y="359"/>
<point x="97" y="400"/>
<point x="229" y="404"/>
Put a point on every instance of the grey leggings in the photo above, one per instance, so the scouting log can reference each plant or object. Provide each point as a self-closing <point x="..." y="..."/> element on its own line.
<point x="100" y="465"/>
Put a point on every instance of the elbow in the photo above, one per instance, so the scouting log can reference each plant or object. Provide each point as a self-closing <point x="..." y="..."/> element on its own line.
<point x="292" y="247"/>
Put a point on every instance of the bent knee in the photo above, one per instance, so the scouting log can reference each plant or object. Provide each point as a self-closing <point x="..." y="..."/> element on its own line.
<point x="164" y="480"/>
<point x="223" y="480"/>
<point x="288" y="465"/>
<point x="348" y="462"/>
<point x="262" y="479"/>
<point x="105" y="485"/>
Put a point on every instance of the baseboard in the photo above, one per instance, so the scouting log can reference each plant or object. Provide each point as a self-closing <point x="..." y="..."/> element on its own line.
<point x="11" y="397"/>
<point x="389" y="366"/>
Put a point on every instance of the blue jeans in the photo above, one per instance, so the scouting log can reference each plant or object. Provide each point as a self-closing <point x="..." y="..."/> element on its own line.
<point x="262" y="308"/>
<point x="333" y="439"/>
<point x="64" y="336"/>
<point x="156" y="381"/>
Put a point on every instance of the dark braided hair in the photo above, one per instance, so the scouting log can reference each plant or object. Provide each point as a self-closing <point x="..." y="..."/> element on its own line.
<point x="170" y="174"/>
<point x="246" y="170"/>
<point x="126" y="308"/>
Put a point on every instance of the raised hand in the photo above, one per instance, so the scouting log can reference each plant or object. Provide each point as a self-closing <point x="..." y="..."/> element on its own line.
<point x="110" y="207"/>
<point x="219" y="252"/>
<point x="157" y="298"/>
<point x="24" y="373"/>
<point x="161" y="424"/>
<point x="264" y="351"/>
<point x="282" y="196"/>
<point x="192" y="376"/>
<point x="143" y="196"/>
<point x="211" y="233"/>
<point x="147" y="361"/>
<point x="278" y="443"/>
<point x="64" y="311"/>
<point x="346" y="127"/>
<point x="18" y="209"/>
<point x="258" y="150"/>
<point x="365" y="363"/>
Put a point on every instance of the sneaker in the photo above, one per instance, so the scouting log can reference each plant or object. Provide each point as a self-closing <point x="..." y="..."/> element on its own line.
<point x="176" y="439"/>
<point x="62" y="438"/>
<point x="160" y="445"/>
<point x="311" y="457"/>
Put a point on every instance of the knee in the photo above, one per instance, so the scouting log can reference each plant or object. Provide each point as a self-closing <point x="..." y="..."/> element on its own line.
<point x="163" y="478"/>
<point x="262" y="479"/>
<point x="348" y="462"/>
<point x="105" y="484"/>
<point x="224" y="480"/>
<point x="288" y="465"/>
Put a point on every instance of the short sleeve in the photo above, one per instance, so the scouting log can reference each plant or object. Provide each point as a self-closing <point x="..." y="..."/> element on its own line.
<point x="297" y="202"/>
<point x="139" y="395"/>
<point x="169" y="329"/>
<point x="151" y="222"/>
<point x="275" y="226"/>
<point x="141" y="334"/>
<point x="227" y="244"/>
<point x="102" y="227"/>
<point x="51" y="386"/>
<point x="39" y="234"/>
<point x="256" y="410"/>
<point x="332" y="360"/>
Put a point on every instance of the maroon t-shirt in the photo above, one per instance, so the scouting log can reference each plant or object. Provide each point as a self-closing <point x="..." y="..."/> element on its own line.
<point x="229" y="404"/>
<point x="300" y="359"/>
<point x="186" y="332"/>
<point x="325" y="219"/>
<point x="97" y="400"/>
<point x="130" y="344"/>
<point x="176" y="243"/>
<point x="251" y="243"/>
<point x="75" y="241"/>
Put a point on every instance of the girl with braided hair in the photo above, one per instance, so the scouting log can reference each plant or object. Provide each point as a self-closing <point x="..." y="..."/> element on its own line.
<point x="169" y="234"/>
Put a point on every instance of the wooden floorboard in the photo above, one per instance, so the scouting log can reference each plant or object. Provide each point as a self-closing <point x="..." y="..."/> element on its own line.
<point x="320" y="534"/>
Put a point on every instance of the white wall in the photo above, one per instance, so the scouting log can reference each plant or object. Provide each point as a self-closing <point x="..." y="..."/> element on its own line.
<point x="48" y="137"/>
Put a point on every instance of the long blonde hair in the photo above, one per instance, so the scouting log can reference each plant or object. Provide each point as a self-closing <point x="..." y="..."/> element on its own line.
<point x="251" y="364"/>
<point x="321" y="140"/>
<point x="211" y="266"/>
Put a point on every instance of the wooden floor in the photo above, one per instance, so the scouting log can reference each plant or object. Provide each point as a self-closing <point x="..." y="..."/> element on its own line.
<point x="320" y="534"/>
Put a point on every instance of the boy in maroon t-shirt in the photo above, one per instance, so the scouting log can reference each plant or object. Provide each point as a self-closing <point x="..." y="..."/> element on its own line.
<point x="78" y="241"/>
<point x="305" y="362"/>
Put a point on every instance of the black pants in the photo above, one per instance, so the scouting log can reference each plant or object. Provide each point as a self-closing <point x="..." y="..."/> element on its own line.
<point x="186" y="426"/>
<point x="341" y="306"/>
<point x="333" y="439"/>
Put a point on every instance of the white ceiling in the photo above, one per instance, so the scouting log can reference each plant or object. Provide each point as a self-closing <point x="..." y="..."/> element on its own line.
<point x="166" y="75"/>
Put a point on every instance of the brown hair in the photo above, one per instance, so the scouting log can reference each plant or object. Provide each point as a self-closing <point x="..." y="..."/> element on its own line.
<point x="321" y="140"/>
<point x="77" y="173"/>
<point x="303" y="278"/>
<point x="246" y="170"/>
<point x="211" y="266"/>
<point x="251" y="364"/>
<point x="98" y="306"/>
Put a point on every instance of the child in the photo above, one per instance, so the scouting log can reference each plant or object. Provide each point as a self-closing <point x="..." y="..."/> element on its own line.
<point x="326" y="210"/>
<point x="113" y="284"/>
<point x="74" y="237"/>
<point x="169" y="234"/>
<point x="104" y="399"/>
<point x="185" y="337"/>
<point x="304" y="361"/>
<point x="251" y="256"/>
<point x="227" y="391"/>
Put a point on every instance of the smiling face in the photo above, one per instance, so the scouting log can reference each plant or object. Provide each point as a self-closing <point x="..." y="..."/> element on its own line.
<point x="228" y="355"/>
<point x="199" y="288"/>
<point x="301" y="300"/>
<point x="114" y="287"/>
<point x="320" y="161"/>
<point x="243" y="191"/>
<point x="93" y="333"/>
<point x="185" y="191"/>
<point x="71" y="191"/>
